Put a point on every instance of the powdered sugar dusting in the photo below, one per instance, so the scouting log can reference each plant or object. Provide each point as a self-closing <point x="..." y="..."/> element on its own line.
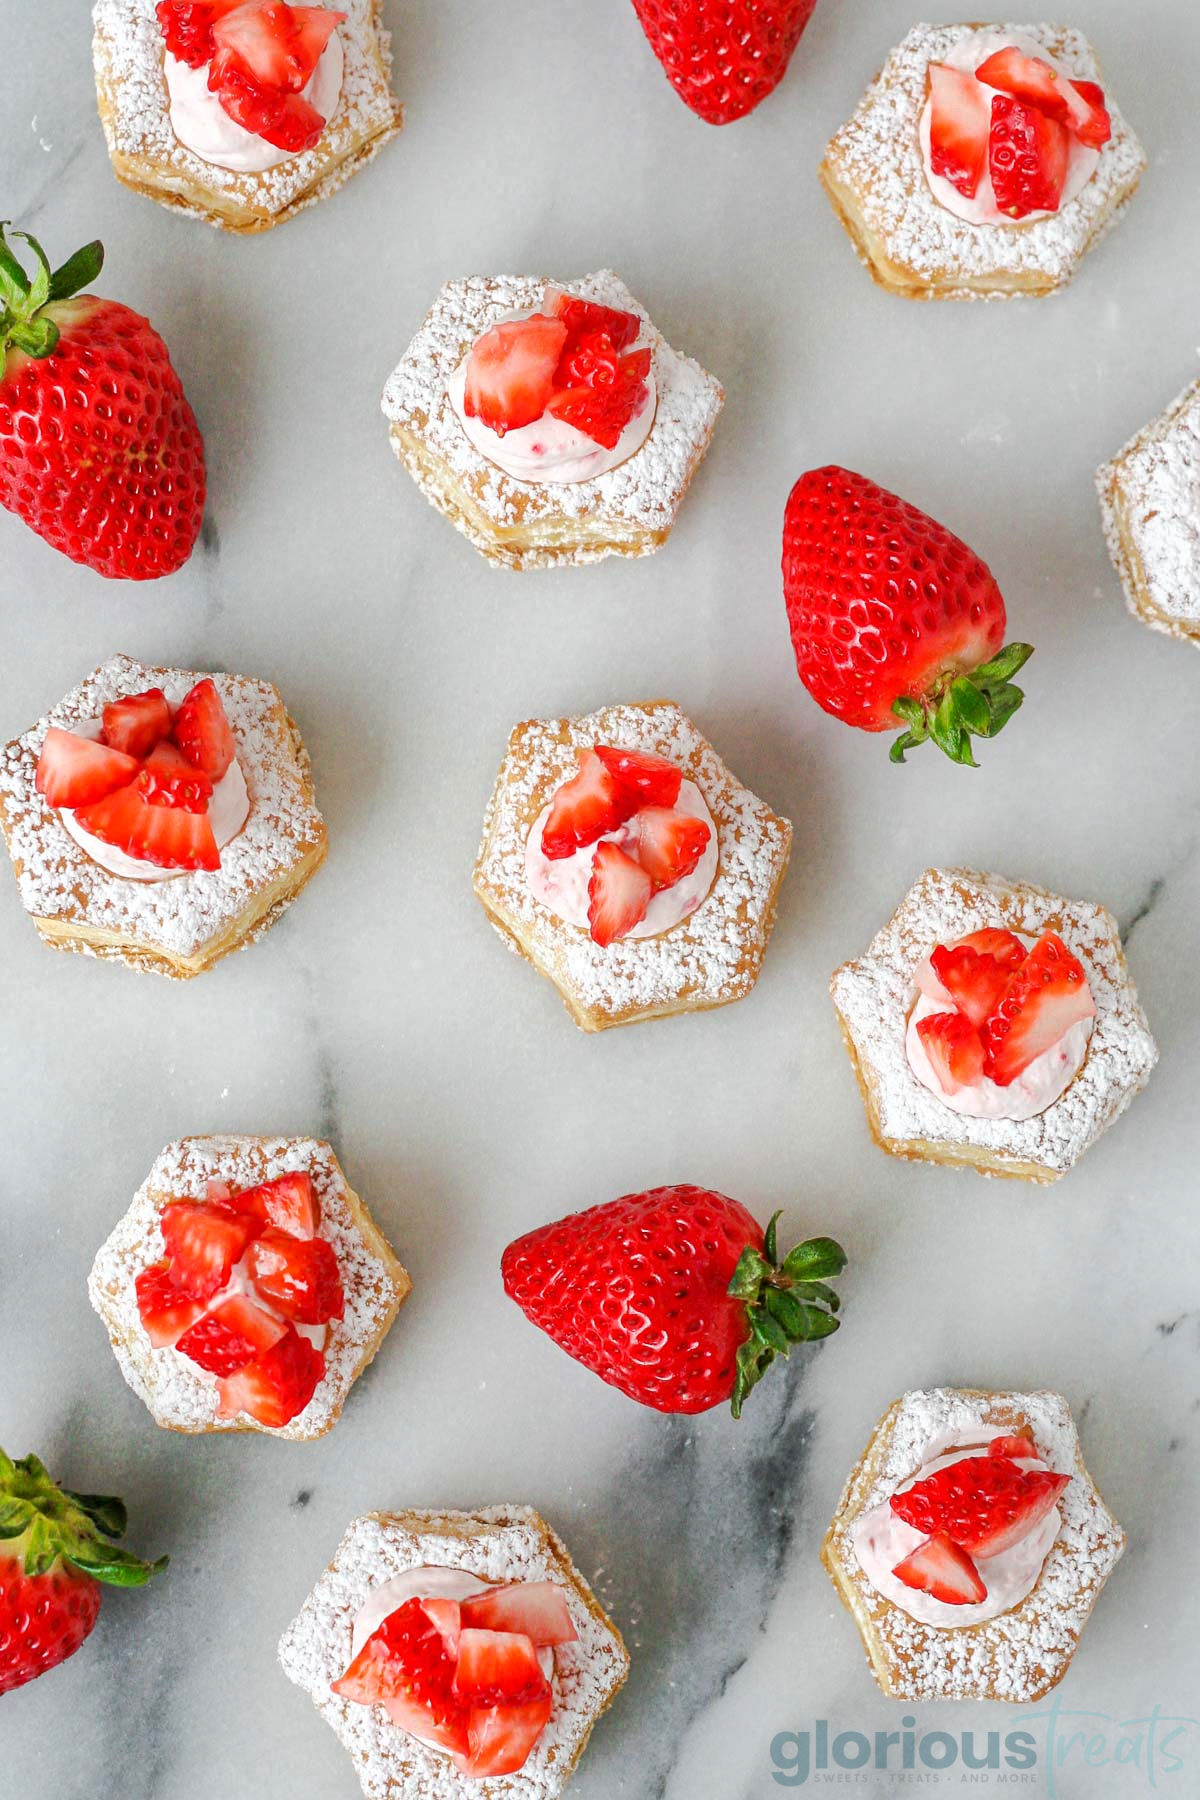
<point x="875" y="993"/>
<point x="877" y="155"/>
<point x="1150" y="498"/>
<point x="179" y="1393"/>
<point x="1021" y="1654"/>
<point x="498" y="1544"/>
<point x="713" y="955"/>
<point x="59" y="882"/>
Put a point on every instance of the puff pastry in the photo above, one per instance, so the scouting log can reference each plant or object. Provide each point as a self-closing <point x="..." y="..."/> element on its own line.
<point x="1150" y="502"/>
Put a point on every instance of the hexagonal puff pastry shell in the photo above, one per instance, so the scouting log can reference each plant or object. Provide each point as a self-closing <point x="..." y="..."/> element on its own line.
<point x="180" y="926"/>
<point x="180" y="1395"/>
<point x="497" y="1544"/>
<point x="874" y="176"/>
<point x="1023" y="1653"/>
<point x="627" y="511"/>
<point x="875" y="993"/>
<point x="1150" y="502"/>
<point x="146" y="155"/>
<point x="710" y="958"/>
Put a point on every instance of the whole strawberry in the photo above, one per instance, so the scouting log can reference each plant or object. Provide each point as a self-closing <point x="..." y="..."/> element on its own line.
<point x="893" y="618"/>
<point x="99" y="449"/>
<point x="723" y="56"/>
<point x="54" y="1554"/>
<point x="675" y="1296"/>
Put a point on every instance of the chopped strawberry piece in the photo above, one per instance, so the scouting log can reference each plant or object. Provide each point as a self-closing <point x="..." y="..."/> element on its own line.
<point x="1027" y="157"/>
<point x="167" y="836"/>
<point x="654" y="780"/>
<point x="954" y="1049"/>
<point x="984" y="1504"/>
<point x="165" y="1310"/>
<point x="670" y="844"/>
<point x="1005" y="946"/>
<point x="202" y="731"/>
<point x="501" y="1737"/>
<point x="230" y="1336"/>
<point x="584" y="808"/>
<point x="167" y="778"/>
<point x="204" y="1240"/>
<point x="510" y="374"/>
<point x="1098" y="128"/>
<point x="277" y="1385"/>
<point x="538" y="1609"/>
<point x="1037" y="83"/>
<point x="290" y="1202"/>
<point x="278" y="45"/>
<point x="497" y="1668"/>
<point x="939" y="1568"/>
<point x="1043" y="999"/>
<point x="287" y="121"/>
<point x="974" y="981"/>
<point x="1012" y="1447"/>
<point x="74" y="771"/>
<point x="299" y="1276"/>
<point x="405" y="1666"/>
<point x="599" y="391"/>
<point x="187" y="25"/>
<point x="619" y="892"/>
<point x="137" y="722"/>
<point x="958" y="127"/>
<point x="583" y="318"/>
<point x="1040" y="1496"/>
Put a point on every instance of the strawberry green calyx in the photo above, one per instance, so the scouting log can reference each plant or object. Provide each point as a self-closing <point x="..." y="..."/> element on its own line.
<point x="49" y="1522"/>
<point x="963" y="706"/>
<point x="26" y="300"/>
<point x="788" y="1302"/>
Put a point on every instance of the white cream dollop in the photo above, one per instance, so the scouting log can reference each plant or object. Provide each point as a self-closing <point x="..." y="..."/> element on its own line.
<point x="881" y="1540"/>
<point x="562" y="883"/>
<point x="980" y="208"/>
<point x="203" y="126"/>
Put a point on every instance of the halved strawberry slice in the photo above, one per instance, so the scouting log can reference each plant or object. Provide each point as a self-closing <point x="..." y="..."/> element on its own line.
<point x="1027" y="158"/>
<point x="166" y="836"/>
<point x="537" y="1609"/>
<point x="1031" y="79"/>
<point x="510" y="375"/>
<point x="1005" y="946"/>
<point x="1043" y="999"/>
<point x="164" y="1308"/>
<point x="202" y="732"/>
<point x="497" y="1668"/>
<point x="278" y="45"/>
<point x="230" y="1336"/>
<point x="599" y="391"/>
<point x="167" y="778"/>
<point x="670" y="843"/>
<point x="187" y="25"/>
<point x="984" y="1504"/>
<point x="584" y="808"/>
<point x="654" y="779"/>
<point x="1012" y="1447"/>
<point x="405" y="1666"/>
<point x="74" y="771"/>
<point x="1041" y="1492"/>
<point x="203" y="1241"/>
<point x="287" y="121"/>
<point x="277" y="1385"/>
<point x="137" y="722"/>
<point x="939" y="1568"/>
<point x="290" y="1202"/>
<point x="974" y="981"/>
<point x="958" y="127"/>
<point x="954" y="1049"/>
<point x="501" y="1737"/>
<point x="299" y="1276"/>
<point x="619" y="892"/>
<point x="583" y="317"/>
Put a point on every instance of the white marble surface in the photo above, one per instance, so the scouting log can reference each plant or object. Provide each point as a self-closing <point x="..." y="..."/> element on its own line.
<point x="383" y="1012"/>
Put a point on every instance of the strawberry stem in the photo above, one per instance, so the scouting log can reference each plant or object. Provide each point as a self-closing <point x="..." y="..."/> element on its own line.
<point x="786" y="1302"/>
<point x="23" y="324"/>
<point x="961" y="706"/>
<point x="52" y="1522"/>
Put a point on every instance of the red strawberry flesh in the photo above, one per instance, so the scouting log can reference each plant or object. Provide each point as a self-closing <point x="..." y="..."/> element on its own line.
<point x="298" y="1276"/>
<point x="497" y="1668"/>
<point x="958" y="128"/>
<point x="1027" y="158"/>
<point x="653" y="779"/>
<point x="954" y="1049"/>
<point x="585" y="318"/>
<point x="974" y="980"/>
<point x="535" y="1608"/>
<point x="984" y="1504"/>
<point x="202" y="732"/>
<point x="167" y="778"/>
<point x="941" y="1569"/>
<point x="165" y="1309"/>
<point x="669" y="844"/>
<point x="75" y="771"/>
<point x="584" y="808"/>
<point x="1043" y="999"/>
<point x="169" y="837"/>
<point x="619" y="892"/>
<point x="289" y="1201"/>
<point x="510" y="373"/>
<point x="136" y="723"/>
<point x="230" y="1336"/>
<point x="1036" y="82"/>
<point x="405" y="1666"/>
<point x="277" y="1385"/>
<point x="204" y="1240"/>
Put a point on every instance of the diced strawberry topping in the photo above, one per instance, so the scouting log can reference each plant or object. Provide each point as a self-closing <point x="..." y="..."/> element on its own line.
<point x="137" y="722"/>
<point x="653" y="779"/>
<point x="584" y="808"/>
<point x="1004" y="946"/>
<point x="1080" y="107"/>
<point x="959" y="117"/>
<point x="619" y="892"/>
<point x="277" y="1385"/>
<point x="405" y="1665"/>
<point x="1098" y="129"/>
<point x="1044" y="997"/>
<point x="501" y="1737"/>
<point x="984" y="1504"/>
<point x="974" y="980"/>
<point x="954" y="1049"/>
<point x="73" y="771"/>
<point x="939" y="1568"/>
<point x="497" y="1668"/>
<point x="202" y="732"/>
<point x="670" y="843"/>
<point x="230" y="1336"/>
<point x="187" y="26"/>
<point x="510" y="374"/>
<point x="167" y="836"/>
<point x="165" y="1310"/>
<point x="1012" y="1447"/>
<point x="583" y="318"/>
<point x="1027" y="158"/>
<point x="279" y="46"/>
<point x="167" y="778"/>
<point x="538" y="1609"/>
<point x="204" y="1240"/>
<point x="290" y="1202"/>
<point x="286" y="121"/>
<point x="598" y="390"/>
<point x="1038" y="1499"/>
<point x="298" y="1276"/>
